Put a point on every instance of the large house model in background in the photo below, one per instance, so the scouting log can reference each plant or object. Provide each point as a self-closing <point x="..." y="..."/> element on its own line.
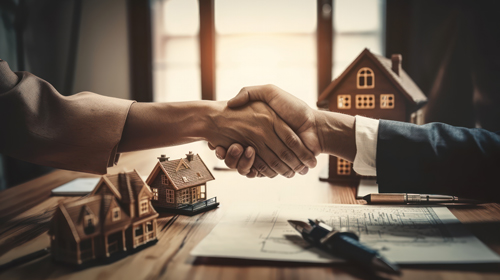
<point x="375" y="87"/>
<point x="115" y="219"/>
<point x="180" y="186"/>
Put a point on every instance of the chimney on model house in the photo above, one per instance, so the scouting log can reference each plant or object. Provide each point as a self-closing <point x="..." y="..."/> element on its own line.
<point x="163" y="158"/>
<point x="396" y="59"/>
<point x="190" y="156"/>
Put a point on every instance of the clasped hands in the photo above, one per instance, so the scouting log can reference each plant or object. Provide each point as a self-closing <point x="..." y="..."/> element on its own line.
<point x="265" y="131"/>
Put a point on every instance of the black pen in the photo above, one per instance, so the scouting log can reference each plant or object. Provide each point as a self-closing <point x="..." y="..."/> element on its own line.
<point x="343" y="244"/>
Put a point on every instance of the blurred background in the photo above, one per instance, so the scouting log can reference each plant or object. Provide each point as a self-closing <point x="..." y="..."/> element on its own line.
<point x="179" y="50"/>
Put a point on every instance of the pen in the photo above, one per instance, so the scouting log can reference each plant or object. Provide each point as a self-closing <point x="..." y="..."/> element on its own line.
<point x="343" y="244"/>
<point x="408" y="198"/>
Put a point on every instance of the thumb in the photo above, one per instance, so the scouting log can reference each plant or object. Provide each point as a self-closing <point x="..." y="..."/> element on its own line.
<point x="263" y="93"/>
<point x="240" y="99"/>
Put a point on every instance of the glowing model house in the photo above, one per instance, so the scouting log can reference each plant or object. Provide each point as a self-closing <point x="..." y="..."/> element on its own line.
<point x="371" y="86"/>
<point x="180" y="186"/>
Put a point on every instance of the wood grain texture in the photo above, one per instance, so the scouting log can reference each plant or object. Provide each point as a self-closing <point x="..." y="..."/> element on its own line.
<point x="170" y="258"/>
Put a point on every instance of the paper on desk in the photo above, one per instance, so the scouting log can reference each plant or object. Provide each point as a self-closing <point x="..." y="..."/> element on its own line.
<point x="404" y="234"/>
<point x="77" y="187"/>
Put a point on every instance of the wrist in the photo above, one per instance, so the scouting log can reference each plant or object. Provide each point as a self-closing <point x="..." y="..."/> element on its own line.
<point x="336" y="134"/>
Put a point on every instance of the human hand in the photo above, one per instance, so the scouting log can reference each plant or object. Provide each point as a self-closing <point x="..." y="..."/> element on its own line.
<point x="278" y="148"/>
<point x="300" y="117"/>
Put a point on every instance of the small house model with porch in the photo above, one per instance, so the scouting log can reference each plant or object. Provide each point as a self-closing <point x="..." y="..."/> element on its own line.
<point x="180" y="186"/>
<point x="117" y="218"/>
<point x="375" y="87"/>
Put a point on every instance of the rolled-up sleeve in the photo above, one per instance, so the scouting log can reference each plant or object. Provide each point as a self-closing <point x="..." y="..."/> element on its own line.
<point x="37" y="124"/>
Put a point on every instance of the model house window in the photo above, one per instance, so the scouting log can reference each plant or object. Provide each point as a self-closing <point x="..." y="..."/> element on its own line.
<point x="199" y="175"/>
<point x="149" y="226"/>
<point x="387" y="101"/>
<point x="343" y="167"/>
<point x="366" y="78"/>
<point x="116" y="214"/>
<point x="155" y="193"/>
<point x="170" y="196"/>
<point x="203" y="192"/>
<point x="144" y="206"/>
<point x="184" y="179"/>
<point x="138" y="230"/>
<point x="184" y="196"/>
<point x="365" y="101"/>
<point x="194" y="196"/>
<point x="89" y="221"/>
<point x="164" y="180"/>
<point x="344" y="101"/>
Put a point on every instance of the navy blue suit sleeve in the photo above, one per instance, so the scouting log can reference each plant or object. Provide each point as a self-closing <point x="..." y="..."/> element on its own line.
<point x="438" y="158"/>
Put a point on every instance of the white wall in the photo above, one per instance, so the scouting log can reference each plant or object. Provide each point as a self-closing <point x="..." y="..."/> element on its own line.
<point x="102" y="64"/>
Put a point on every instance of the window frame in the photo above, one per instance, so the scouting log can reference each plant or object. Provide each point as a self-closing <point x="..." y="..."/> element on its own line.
<point x="343" y="170"/>
<point x="342" y="99"/>
<point x="372" y="96"/>
<point x="367" y="73"/>
<point x="383" y="101"/>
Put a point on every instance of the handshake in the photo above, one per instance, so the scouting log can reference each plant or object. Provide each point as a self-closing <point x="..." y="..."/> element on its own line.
<point x="265" y="131"/>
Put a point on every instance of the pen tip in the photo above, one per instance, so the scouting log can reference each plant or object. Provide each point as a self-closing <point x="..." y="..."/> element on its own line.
<point x="367" y="198"/>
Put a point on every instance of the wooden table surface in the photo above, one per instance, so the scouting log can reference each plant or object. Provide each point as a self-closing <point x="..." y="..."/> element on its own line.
<point x="25" y="212"/>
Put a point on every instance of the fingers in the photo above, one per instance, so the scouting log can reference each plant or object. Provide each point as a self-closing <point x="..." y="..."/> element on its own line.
<point x="210" y="146"/>
<point x="238" y="158"/>
<point x="246" y="161"/>
<point x="262" y="169"/>
<point x="220" y="152"/>
<point x="233" y="155"/>
<point x="302" y="156"/>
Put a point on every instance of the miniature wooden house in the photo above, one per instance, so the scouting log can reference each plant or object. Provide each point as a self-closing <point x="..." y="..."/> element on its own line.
<point x="179" y="186"/>
<point x="371" y="86"/>
<point x="115" y="219"/>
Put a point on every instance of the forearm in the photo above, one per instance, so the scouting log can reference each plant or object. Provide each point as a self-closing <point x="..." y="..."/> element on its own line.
<point x="153" y="125"/>
<point x="336" y="134"/>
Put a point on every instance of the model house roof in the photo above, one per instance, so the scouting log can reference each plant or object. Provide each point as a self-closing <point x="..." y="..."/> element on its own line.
<point x="126" y="186"/>
<point x="402" y="81"/>
<point x="183" y="173"/>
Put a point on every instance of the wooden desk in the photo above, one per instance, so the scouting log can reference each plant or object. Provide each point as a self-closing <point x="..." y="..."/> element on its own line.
<point x="170" y="257"/>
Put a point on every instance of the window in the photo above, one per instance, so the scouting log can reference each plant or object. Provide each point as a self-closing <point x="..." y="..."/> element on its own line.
<point x="365" y="101"/>
<point x="387" y="101"/>
<point x="365" y="78"/>
<point x="138" y="230"/>
<point x="184" y="179"/>
<point x="184" y="196"/>
<point x="144" y="206"/>
<point x="164" y="180"/>
<point x="170" y="196"/>
<point x="278" y="46"/>
<point x="343" y="167"/>
<point x="199" y="175"/>
<point x="149" y="226"/>
<point x="116" y="214"/>
<point x="88" y="221"/>
<point x="155" y="193"/>
<point x="344" y="101"/>
<point x="203" y="192"/>
<point x="194" y="195"/>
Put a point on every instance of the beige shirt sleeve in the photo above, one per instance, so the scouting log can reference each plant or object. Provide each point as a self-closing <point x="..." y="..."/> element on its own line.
<point x="37" y="124"/>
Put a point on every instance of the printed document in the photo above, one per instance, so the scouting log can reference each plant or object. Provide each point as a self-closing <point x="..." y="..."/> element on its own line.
<point x="403" y="234"/>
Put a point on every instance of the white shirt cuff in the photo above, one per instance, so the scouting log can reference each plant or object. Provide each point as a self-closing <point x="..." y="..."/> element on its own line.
<point x="366" y="145"/>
